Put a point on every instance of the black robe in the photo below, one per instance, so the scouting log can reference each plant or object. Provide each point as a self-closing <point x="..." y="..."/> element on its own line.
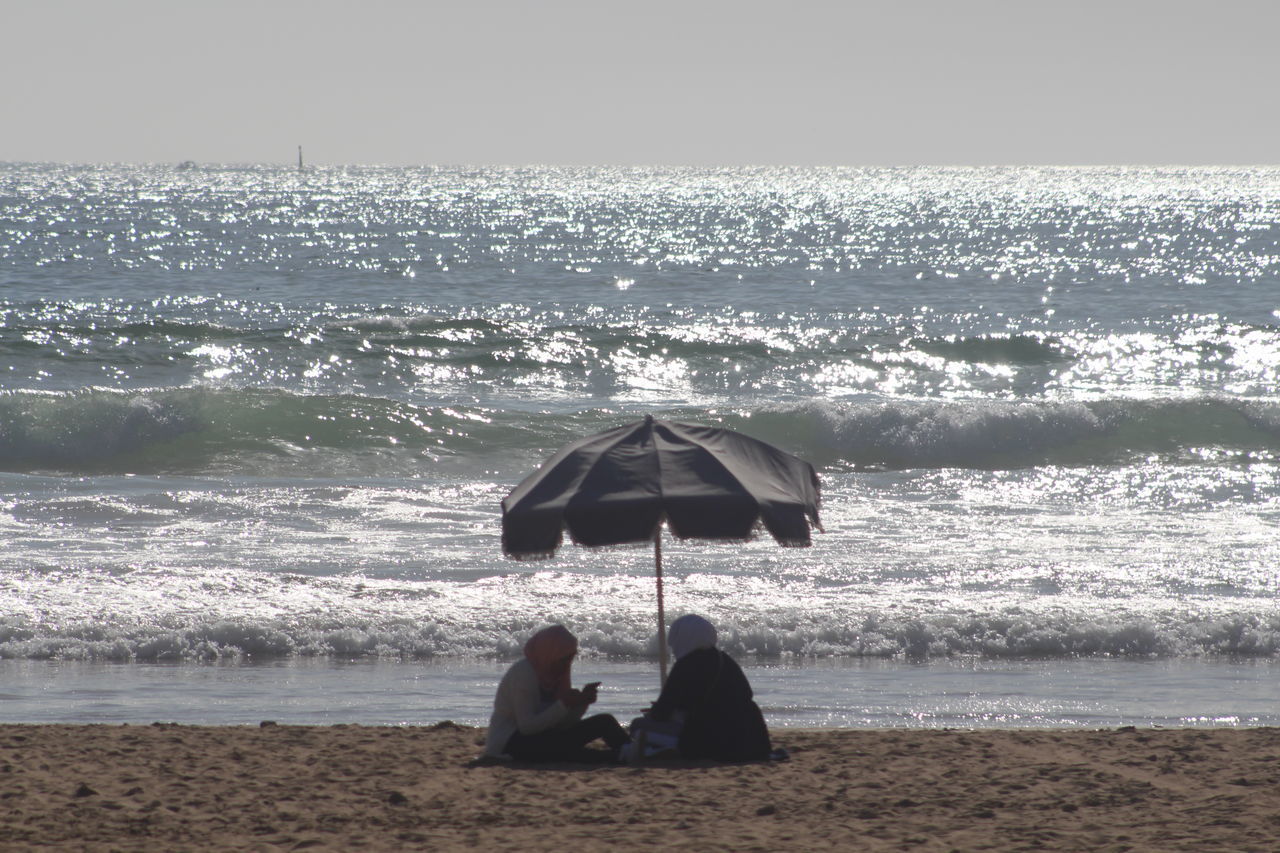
<point x="721" y="720"/>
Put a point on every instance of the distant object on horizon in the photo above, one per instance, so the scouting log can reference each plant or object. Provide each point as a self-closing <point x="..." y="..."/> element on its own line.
<point x="299" y="158"/>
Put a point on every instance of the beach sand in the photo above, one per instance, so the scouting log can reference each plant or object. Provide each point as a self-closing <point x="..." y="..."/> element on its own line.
<point x="169" y="787"/>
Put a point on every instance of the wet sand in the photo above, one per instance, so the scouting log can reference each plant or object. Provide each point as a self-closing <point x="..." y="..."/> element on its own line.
<point x="268" y="788"/>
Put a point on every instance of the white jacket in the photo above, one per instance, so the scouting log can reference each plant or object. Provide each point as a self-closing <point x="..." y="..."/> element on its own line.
<point x="519" y="706"/>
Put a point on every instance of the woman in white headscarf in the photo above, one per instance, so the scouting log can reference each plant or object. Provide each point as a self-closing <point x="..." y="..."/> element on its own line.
<point x="709" y="690"/>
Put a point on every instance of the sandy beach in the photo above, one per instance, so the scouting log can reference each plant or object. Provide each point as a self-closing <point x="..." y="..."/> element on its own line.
<point x="272" y="787"/>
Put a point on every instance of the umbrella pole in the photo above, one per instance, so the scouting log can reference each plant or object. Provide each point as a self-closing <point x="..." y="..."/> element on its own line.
<point x="662" y="618"/>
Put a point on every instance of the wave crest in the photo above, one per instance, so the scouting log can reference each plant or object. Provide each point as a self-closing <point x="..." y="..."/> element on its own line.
<point x="986" y="434"/>
<point x="991" y="636"/>
<point x="200" y="430"/>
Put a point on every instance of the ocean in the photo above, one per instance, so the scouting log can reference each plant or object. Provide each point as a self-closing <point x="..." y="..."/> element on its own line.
<point x="256" y="423"/>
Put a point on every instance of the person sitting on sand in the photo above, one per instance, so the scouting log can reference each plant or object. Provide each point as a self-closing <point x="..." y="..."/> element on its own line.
<point x="709" y="692"/>
<point x="537" y="714"/>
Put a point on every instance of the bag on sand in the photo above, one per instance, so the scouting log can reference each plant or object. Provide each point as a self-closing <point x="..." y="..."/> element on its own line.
<point x="653" y="740"/>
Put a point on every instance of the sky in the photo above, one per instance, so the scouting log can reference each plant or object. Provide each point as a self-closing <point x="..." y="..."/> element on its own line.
<point x="693" y="82"/>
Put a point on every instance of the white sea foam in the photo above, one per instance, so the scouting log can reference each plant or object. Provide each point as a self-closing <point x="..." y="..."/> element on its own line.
<point x="160" y="617"/>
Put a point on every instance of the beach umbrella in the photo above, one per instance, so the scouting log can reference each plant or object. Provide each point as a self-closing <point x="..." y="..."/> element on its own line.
<point x="621" y="485"/>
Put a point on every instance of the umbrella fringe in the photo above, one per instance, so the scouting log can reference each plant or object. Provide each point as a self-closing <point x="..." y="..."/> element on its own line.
<point x="789" y="542"/>
<point x="530" y="556"/>
<point x="742" y="540"/>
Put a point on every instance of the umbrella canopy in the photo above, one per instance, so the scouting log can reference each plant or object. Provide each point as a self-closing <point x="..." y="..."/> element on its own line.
<point x="618" y="487"/>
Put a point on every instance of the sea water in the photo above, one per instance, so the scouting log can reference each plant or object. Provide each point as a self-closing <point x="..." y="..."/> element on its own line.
<point x="256" y="423"/>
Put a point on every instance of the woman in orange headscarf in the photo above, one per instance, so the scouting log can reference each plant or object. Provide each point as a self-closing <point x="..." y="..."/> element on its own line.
<point x="537" y="713"/>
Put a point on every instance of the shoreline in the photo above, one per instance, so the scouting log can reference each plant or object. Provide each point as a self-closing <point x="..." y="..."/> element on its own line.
<point x="271" y="787"/>
<point x="1073" y="694"/>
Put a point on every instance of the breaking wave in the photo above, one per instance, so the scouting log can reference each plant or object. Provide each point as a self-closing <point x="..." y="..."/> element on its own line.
<point x="987" y="434"/>
<point x="194" y="430"/>
<point x="990" y="636"/>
